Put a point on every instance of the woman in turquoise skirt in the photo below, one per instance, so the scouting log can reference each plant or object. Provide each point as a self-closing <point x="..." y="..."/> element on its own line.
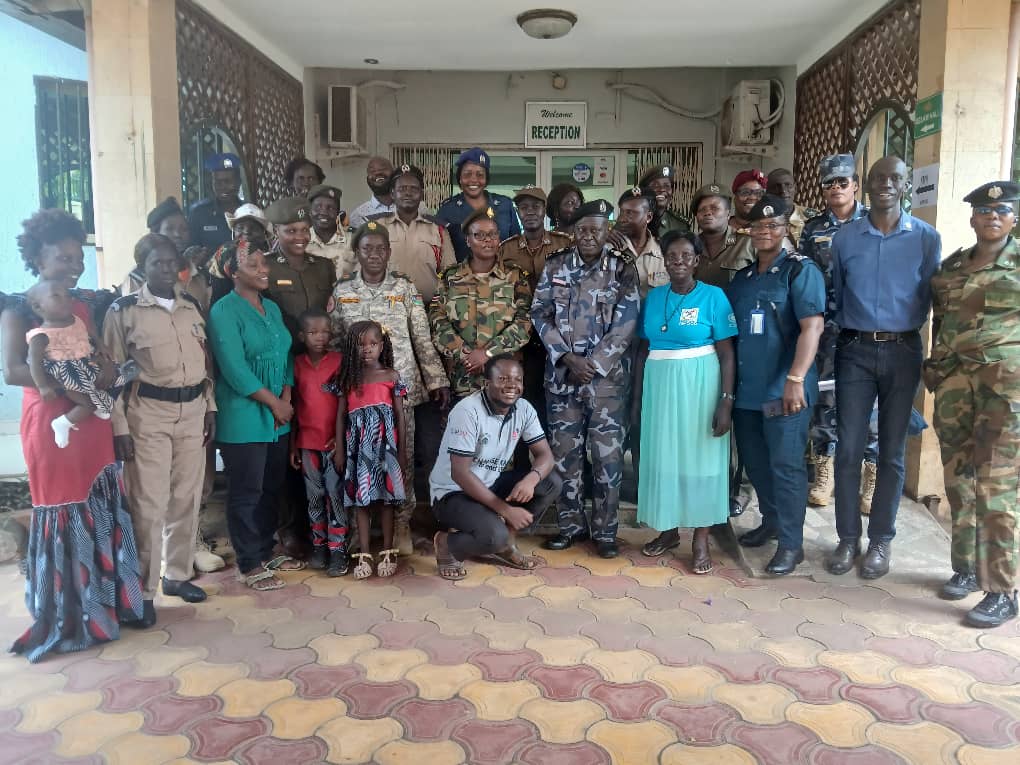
<point x="684" y="396"/>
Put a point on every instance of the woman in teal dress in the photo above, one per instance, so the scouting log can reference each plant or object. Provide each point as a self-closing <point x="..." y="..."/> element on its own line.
<point x="684" y="397"/>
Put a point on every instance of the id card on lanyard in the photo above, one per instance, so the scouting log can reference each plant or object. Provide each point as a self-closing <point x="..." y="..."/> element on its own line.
<point x="757" y="321"/>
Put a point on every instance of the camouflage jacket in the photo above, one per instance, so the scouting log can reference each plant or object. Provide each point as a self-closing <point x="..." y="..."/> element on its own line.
<point x="590" y="309"/>
<point x="396" y="305"/>
<point x="472" y="311"/>
<point x="977" y="315"/>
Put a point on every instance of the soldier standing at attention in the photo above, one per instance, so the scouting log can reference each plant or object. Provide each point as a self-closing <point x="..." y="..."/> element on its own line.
<point x="327" y="238"/>
<point x="472" y="177"/>
<point x="974" y="371"/>
<point x="374" y="293"/>
<point x="659" y="182"/>
<point x="164" y="421"/>
<point x="586" y="312"/>
<point x="780" y="183"/>
<point x="480" y="309"/>
<point x="208" y="217"/>
<point x="839" y="190"/>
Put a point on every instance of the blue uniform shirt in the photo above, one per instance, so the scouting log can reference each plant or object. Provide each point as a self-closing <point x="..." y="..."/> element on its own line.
<point x="882" y="283"/>
<point x="456" y="210"/>
<point x="208" y="225"/>
<point x="764" y="361"/>
<point x="701" y="317"/>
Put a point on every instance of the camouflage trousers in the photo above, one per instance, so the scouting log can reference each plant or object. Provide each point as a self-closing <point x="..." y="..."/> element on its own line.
<point x="578" y="423"/>
<point x="977" y="418"/>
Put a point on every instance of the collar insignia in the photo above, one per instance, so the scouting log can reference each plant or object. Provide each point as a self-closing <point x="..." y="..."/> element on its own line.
<point x="491" y="213"/>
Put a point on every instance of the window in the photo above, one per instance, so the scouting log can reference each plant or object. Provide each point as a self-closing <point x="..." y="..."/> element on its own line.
<point x="62" y="146"/>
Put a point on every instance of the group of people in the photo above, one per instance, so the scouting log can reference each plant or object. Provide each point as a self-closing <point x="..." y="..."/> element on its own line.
<point x="333" y="358"/>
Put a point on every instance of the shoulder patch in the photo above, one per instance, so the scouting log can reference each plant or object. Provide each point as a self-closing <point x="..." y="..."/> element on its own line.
<point x="127" y="301"/>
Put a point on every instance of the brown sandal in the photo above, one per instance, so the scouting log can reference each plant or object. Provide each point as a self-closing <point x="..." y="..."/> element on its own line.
<point x="511" y="557"/>
<point x="261" y="579"/>
<point x="702" y="559"/>
<point x="449" y="568"/>
<point x="284" y="563"/>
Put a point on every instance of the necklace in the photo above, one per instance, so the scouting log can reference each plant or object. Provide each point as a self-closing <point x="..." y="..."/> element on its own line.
<point x="665" y="307"/>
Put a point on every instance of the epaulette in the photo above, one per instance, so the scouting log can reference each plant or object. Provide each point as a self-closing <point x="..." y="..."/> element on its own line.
<point x="400" y="275"/>
<point x="627" y="256"/>
<point x="377" y="216"/>
<point x="509" y="239"/>
<point x="559" y="234"/>
<point x="192" y="299"/>
<point x="950" y="261"/>
<point x="433" y="219"/>
<point x="810" y="212"/>
<point x="346" y="277"/>
<point x="126" y="301"/>
<point x="558" y="253"/>
<point x="795" y="256"/>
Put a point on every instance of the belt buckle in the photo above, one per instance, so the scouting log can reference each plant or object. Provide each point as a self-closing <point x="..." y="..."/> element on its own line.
<point x="884" y="337"/>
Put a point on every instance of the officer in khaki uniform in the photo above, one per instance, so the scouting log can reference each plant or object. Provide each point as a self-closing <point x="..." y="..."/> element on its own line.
<point x="974" y="371"/>
<point x="164" y="420"/>
<point x="632" y="236"/>
<point x="328" y="239"/>
<point x="372" y="293"/>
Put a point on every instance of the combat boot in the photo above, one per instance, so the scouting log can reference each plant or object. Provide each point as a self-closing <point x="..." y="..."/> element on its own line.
<point x="868" y="486"/>
<point x="402" y="536"/>
<point x="821" y="490"/>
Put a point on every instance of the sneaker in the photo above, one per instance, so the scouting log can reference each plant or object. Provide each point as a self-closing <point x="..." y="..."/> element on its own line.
<point x="821" y="490"/>
<point x="868" y="486"/>
<point x="338" y="563"/>
<point x="997" y="608"/>
<point x="959" y="586"/>
<point x="206" y="561"/>
<point x="319" y="558"/>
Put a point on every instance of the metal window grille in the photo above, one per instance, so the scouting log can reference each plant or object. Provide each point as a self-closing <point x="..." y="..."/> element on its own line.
<point x="62" y="147"/>
<point x="686" y="159"/>
<point x="434" y="163"/>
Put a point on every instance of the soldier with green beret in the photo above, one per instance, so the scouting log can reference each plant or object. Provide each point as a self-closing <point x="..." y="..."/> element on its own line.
<point x="974" y="371"/>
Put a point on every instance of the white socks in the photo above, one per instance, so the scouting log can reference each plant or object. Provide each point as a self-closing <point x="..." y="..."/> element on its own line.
<point x="62" y="428"/>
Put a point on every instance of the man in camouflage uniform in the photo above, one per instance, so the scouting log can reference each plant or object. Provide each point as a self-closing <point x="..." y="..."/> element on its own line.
<point x="839" y="189"/>
<point x="372" y="293"/>
<point x="974" y="371"/>
<point x="586" y="311"/>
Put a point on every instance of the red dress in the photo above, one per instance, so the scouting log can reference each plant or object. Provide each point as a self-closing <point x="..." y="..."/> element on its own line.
<point x="373" y="471"/>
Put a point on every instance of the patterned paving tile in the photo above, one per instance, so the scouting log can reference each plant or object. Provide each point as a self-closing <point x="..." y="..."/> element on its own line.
<point x="369" y="700"/>
<point x="775" y="744"/>
<point x="171" y="714"/>
<point x="700" y="725"/>
<point x="398" y="635"/>
<point x="543" y="753"/>
<point x="272" y="751"/>
<point x="503" y="666"/>
<point x="563" y="683"/>
<point x="425" y="720"/>
<point x="493" y="743"/>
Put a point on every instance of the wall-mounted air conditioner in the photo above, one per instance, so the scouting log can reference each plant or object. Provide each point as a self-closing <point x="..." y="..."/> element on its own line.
<point x="346" y="118"/>
<point x="745" y="126"/>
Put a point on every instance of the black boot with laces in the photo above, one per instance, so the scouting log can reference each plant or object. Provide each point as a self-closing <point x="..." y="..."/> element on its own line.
<point x="997" y="608"/>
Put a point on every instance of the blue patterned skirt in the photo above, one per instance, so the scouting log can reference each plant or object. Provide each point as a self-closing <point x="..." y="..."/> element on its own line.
<point x="373" y="471"/>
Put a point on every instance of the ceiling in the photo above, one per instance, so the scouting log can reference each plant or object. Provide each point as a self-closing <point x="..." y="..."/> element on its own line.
<point x="483" y="34"/>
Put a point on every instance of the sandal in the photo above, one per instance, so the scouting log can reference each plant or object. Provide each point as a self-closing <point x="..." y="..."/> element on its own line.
<point x="284" y="563"/>
<point x="387" y="566"/>
<point x="449" y="568"/>
<point x="513" y="558"/>
<point x="261" y="579"/>
<point x="364" y="568"/>
<point x="702" y="560"/>
<point x="667" y="540"/>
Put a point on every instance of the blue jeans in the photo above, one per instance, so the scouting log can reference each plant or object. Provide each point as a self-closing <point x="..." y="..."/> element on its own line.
<point x="772" y="450"/>
<point x="866" y="371"/>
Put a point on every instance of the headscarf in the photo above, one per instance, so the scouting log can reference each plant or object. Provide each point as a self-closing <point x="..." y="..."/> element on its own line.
<point x="224" y="262"/>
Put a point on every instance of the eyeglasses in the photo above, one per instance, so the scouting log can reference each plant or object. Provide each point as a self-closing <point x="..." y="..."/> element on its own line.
<point x="1002" y="210"/>
<point x="490" y="237"/>
<point x="841" y="182"/>
<point x="749" y="193"/>
<point x="761" y="228"/>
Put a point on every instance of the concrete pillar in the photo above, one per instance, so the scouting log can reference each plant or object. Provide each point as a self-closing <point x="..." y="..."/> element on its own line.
<point x="136" y="155"/>
<point x="963" y="54"/>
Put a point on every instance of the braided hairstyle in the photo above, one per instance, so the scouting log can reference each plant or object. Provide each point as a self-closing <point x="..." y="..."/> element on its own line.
<point x="351" y="374"/>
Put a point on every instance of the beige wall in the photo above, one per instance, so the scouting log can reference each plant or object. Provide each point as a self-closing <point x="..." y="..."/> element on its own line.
<point x="487" y="109"/>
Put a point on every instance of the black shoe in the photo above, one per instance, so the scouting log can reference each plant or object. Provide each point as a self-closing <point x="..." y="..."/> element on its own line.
<point x="785" y="561"/>
<point x="338" y="563"/>
<point x="959" y="586"/>
<point x="843" y="557"/>
<point x="148" y="617"/>
<point x="607" y="548"/>
<point x="319" y="558"/>
<point x="876" y="560"/>
<point x="186" y="591"/>
<point x="562" y="541"/>
<point x="996" y="608"/>
<point x="757" y="537"/>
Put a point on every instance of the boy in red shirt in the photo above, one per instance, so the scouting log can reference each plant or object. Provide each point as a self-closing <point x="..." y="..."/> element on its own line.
<point x="313" y="439"/>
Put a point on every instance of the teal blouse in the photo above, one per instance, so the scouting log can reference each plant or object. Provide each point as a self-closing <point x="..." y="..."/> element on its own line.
<point x="252" y="351"/>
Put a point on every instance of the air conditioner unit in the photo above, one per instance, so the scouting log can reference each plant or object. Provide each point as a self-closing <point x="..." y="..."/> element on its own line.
<point x="346" y="120"/>
<point x="743" y="113"/>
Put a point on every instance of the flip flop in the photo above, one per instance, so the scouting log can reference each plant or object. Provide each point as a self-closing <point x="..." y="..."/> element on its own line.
<point x="666" y="541"/>
<point x="449" y="568"/>
<point x="701" y="562"/>
<point x="511" y="557"/>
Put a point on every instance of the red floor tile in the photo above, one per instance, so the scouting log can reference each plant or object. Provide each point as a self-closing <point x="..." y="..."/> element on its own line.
<point x="368" y="700"/>
<point x="563" y="683"/>
<point x="890" y="703"/>
<point x="818" y="685"/>
<point x="626" y="701"/>
<point x="774" y="744"/>
<point x="505" y="666"/>
<point x="215" y="738"/>
<point x="166" y="715"/>
<point x="274" y="751"/>
<point x="313" y="681"/>
<point x="425" y="720"/>
<point x="493" y="743"/>
<point x="699" y="724"/>
<point x="584" y="753"/>
<point x="127" y="693"/>
<point x="979" y="724"/>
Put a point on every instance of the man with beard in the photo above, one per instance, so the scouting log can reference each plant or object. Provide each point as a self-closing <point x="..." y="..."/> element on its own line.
<point x="631" y="235"/>
<point x="207" y="218"/>
<point x="659" y="182"/>
<point x="377" y="176"/>
<point x="327" y="236"/>
<point x="780" y="183"/>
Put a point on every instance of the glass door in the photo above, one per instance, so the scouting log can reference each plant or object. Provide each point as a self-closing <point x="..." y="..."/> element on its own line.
<point x="510" y="171"/>
<point x="599" y="175"/>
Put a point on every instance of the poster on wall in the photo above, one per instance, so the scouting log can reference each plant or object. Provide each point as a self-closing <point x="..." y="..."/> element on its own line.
<point x="603" y="171"/>
<point x="925" y="192"/>
<point x="555" y="124"/>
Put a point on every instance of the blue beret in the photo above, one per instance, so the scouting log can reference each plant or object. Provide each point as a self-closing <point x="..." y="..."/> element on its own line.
<point x="475" y="155"/>
<point x="225" y="161"/>
<point x="769" y="206"/>
<point x="993" y="193"/>
<point x="837" y="166"/>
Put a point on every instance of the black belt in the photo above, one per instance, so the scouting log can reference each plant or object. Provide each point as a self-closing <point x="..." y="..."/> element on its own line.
<point x="878" y="337"/>
<point x="173" y="395"/>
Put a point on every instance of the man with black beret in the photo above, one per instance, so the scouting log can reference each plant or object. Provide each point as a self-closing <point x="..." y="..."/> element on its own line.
<point x="659" y="182"/>
<point x="632" y="235"/>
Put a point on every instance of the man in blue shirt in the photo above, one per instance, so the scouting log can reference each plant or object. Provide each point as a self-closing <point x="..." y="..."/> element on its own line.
<point x="882" y="266"/>
<point x="779" y="302"/>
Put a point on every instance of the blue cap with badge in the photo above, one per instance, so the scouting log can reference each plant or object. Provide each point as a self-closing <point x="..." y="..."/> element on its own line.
<point x="837" y="166"/>
<point x="475" y="156"/>
<point x="223" y="161"/>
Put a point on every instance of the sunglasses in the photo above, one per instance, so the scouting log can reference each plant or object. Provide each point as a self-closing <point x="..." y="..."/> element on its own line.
<point x="841" y="182"/>
<point x="997" y="209"/>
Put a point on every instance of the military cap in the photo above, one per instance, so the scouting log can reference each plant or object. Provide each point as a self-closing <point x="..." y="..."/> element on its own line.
<point x="708" y="190"/>
<point x="476" y="156"/>
<point x="366" y="228"/>
<point x="161" y="212"/>
<point x="324" y="190"/>
<point x="837" y="166"/>
<point x="530" y="191"/>
<point x="598" y="208"/>
<point x="224" y="161"/>
<point x="485" y="212"/>
<point x="662" y="171"/>
<point x="994" y="193"/>
<point x="769" y="206"/>
<point x="637" y="192"/>
<point x="288" y="210"/>
<point x="407" y="170"/>
<point x="250" y="211"/>
<point x="749" y="175"/>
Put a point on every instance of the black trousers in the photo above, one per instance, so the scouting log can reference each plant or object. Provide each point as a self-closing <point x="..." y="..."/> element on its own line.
<point x="255" y="476"/>
<point x="429" y="424"/>
<point x="481" y="531"/>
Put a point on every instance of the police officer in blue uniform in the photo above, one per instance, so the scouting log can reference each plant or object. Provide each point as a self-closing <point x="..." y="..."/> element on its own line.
<point x="779" y="303"/>
<point x="472" y="177"/>
<point x="207" y="218"/>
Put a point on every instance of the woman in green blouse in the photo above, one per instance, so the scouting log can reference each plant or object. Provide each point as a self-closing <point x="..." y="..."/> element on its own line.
<point x="252" y="350"/>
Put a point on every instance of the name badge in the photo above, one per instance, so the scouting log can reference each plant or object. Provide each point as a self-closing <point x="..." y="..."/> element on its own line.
<point x="210" y="228"/>
<point x="757" y="322"/>
<point x="284" y="283"/>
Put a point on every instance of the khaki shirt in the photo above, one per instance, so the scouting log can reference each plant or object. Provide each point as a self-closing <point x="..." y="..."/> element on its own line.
<point x="650" y="265"/>
<point x="168" y="346"/>
<point x="516" y="252"/>
<point x="199" y="286"/>
<point x="397" y="306"/>
<point x="419" y="250"/>
<point x="336" y="250"/>
<point x="737" y="253"/>
<point x="296" y="291"/>
<point x="798" y="218"/>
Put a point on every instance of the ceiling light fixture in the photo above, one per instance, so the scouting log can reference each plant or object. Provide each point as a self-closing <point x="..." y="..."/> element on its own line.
<point x="371" y="61"/>
<point x="546" y="23"/>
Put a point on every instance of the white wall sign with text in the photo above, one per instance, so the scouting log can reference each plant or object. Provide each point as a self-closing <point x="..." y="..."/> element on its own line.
<point x="925" y="192"/>
<point x="555" y="124"/>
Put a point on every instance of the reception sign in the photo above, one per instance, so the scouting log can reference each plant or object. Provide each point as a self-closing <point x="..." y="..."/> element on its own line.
<point x="555" y="124"/>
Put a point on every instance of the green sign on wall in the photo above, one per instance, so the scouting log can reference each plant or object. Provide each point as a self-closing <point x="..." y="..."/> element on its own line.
<point x="928" y="116"/>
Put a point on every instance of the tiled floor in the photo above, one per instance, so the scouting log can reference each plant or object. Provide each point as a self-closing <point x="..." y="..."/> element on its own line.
<point x="583" y="661"/>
